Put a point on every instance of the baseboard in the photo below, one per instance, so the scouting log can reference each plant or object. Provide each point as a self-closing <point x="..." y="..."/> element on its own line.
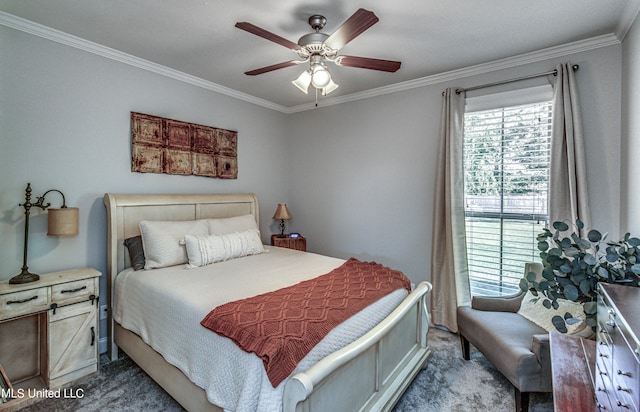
<point x="102" y="345"/>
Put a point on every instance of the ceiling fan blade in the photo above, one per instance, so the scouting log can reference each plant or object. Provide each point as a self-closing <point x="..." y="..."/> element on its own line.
<point x="355" y="25"/>
<point x="253" y="29"/>
<point x="368" y="63"/>
<point x="273" y="67"/>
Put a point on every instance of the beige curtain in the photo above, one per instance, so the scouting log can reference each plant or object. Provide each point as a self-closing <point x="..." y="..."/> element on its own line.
<point x="449" y="271"/>
<point x="568" y="197"/>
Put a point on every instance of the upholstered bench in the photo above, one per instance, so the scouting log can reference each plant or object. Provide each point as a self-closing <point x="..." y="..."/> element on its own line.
<point x="517" y="347"/>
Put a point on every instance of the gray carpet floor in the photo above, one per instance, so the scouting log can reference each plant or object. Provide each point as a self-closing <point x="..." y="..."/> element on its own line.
<point x="449" y="383"/>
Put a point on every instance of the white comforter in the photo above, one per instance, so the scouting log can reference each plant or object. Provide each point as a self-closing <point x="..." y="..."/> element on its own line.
<point x="165" y="307"/>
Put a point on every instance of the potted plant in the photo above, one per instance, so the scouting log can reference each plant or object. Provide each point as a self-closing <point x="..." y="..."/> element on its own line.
<point x="573" y="267"/>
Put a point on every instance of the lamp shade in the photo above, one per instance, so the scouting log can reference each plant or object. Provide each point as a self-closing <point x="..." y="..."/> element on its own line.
<point x="63" y="221"/>
<point x="282" y="213"/>
<point x="303" y="81"/>
<point x="331" y="86"/>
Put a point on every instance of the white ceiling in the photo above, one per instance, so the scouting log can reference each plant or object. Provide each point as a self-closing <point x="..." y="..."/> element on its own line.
<point x="198" y="37"/>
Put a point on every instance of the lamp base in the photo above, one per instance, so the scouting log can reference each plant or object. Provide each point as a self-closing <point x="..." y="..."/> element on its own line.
<point x="24" y="277"/>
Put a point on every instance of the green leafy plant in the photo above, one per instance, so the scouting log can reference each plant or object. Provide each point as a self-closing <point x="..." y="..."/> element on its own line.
<point x="573" y="267"/>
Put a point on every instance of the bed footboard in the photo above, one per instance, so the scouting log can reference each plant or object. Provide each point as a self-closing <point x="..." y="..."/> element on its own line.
<point x="372" y="372"/>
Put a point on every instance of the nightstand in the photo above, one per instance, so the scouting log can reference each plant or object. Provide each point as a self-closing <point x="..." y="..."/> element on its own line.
<point x="297" y="243"/>
<point x="49" y="330"/>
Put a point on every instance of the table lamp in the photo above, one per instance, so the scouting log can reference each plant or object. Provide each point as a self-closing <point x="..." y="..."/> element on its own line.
<point x="61" y="222"/>
<point x="282" y="214"/>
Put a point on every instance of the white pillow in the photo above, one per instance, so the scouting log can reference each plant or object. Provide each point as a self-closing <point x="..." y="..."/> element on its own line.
<point x="204" y="250"/>
<point x="541" y="316"/>
<point x="161" y="241"/>
<point x="232" y="224"/>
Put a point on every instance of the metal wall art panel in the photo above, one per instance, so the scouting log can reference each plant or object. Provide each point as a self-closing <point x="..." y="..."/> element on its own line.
<point x="160" y="145"/>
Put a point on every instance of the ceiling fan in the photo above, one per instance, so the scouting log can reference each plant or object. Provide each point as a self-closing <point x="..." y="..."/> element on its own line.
<point x="317" y="48"/>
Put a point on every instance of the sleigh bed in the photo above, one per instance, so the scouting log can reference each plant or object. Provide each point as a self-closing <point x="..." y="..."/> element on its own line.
<point x="357" y="366"/>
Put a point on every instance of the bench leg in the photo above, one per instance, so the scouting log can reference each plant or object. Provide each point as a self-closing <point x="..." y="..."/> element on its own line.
<point x="465" y="347"/>
<point x="522" y="401"/>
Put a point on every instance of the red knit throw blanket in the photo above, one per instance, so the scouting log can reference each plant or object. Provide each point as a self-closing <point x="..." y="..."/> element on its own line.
<point x="282" y="326"/>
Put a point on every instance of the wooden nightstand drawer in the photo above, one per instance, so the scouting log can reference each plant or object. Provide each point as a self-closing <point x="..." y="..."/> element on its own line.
<point x="296" y="243"/>
<point x="24" y="302"/>
<point x="71" y="292"/>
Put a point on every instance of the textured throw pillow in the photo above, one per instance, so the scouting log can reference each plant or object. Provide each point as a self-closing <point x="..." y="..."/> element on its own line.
<point x="136" y="252"/>
<point x="205" y="250"/>
<point x="532" y="309"/>
<point x="161" y="241"/>
<point x="232" y="224"/>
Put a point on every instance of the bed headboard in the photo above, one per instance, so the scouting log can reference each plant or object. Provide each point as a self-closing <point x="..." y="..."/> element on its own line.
<point x="124" y="213"/>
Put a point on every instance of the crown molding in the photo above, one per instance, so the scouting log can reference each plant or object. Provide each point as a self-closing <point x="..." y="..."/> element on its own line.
<point x="507" y="63"/>
<point x="45" y="32"/>
<point x="58" y="36"/>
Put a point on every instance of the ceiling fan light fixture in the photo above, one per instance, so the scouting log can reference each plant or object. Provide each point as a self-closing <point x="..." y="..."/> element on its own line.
<point x="320" y="77"/>
<point x="303" y="81"/>
<point x="329" y="87"/>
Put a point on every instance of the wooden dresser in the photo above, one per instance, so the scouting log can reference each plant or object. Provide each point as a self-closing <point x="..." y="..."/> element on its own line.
<point x="48" y="333"/>
<point x="617" y="375"/>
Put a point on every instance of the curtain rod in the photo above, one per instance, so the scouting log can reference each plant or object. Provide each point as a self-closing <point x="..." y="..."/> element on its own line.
<point x="554" y="72"/>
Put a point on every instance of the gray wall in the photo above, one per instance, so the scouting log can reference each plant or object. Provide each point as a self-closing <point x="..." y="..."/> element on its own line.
<point x="630" y="166"/>
<point x="65" y="124"/>
<point x="363" y="173"/>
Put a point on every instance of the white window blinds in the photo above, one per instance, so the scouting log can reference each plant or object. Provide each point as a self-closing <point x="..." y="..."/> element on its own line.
<point x="506" y="172"/>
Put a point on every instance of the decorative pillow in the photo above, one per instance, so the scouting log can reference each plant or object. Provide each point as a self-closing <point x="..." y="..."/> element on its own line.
<point x="532" y="309"/>
<point x="136" y="252"/>
<point x="204" y="250"/>
<point x="161" y="240"/>
<point x="232" y="224"/>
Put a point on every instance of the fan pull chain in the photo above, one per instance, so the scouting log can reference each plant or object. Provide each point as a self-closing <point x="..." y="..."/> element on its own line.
<point x="316" y="97"/>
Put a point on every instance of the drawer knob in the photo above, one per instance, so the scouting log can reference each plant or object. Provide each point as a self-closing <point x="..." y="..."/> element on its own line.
<point x="622" y="404"/>
<point x="620" y="388"/>
<point x="602" y="355"/>
<point x="624" y="373"/>
<point x="601" y="407"/>
<point x="13" y="302"/>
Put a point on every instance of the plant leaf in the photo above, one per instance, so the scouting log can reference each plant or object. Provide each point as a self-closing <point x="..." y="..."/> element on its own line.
<point x="559" y="324"/>
<point x="560" y="226"/>
<point x="603" y="272"/>
<point x="585" y="287"/>
<point x="590" y="259"/>
<point x="571" y="293"/>
<point x="590" y="308"/>
<point x="594" y="236"/>
<point x="566" y="268"/>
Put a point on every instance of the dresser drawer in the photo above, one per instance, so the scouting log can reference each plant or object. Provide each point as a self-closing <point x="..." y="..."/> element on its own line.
<point x="626" y="368"/>
<point x="24" y="302"/>
<point x="72" y="292"/>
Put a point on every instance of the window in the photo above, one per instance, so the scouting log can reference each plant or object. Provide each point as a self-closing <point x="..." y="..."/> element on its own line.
<point x="506" y="173"/>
